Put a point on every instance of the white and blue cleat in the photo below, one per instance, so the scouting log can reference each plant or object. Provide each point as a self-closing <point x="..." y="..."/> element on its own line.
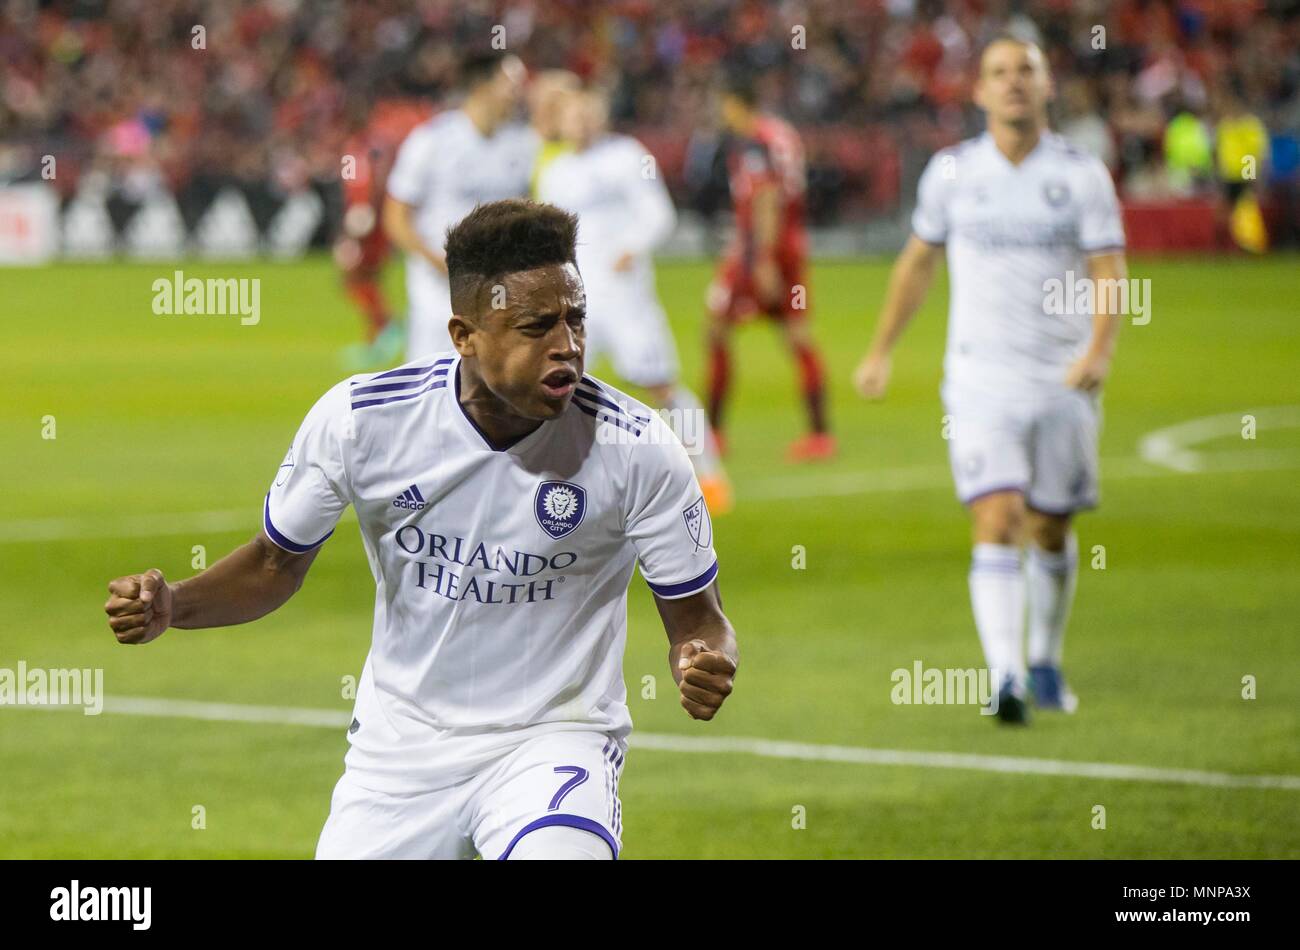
<point x="1047" y="684"/>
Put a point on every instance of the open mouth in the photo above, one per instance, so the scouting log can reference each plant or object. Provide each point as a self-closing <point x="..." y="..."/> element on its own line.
<point x="559" y="383"/>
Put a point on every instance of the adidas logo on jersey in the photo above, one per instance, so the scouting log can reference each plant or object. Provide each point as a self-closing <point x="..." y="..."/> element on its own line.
<point x="411" y="498"/>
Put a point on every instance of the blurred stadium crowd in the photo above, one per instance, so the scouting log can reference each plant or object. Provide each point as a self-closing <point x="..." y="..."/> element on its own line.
<point x="1171" y="93"/>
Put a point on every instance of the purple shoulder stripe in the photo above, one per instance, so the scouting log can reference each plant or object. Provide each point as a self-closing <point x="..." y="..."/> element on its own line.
<point x="438" y="372"/>
<point x="414" y="370"/>
<point x="439" y="383"/>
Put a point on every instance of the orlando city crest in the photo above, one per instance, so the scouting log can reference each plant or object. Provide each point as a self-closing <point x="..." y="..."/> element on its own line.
<point x="1056" y="193"/>
<point x="698" y="525"/>
<point x="559" y="507"/>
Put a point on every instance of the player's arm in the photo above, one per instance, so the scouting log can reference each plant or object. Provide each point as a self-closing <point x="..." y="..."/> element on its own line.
<point x="669" y="526"/>
<point x="1090" y="370"/>
<point x="651" y="207"/>
<point x="1101" y="237"/>
<point x="909" y="281"/>
<point x="702" y="651"/>
<point x="310" y="492"/>
<point x="399" y="225"/>
<point x="409" y="185"/>
<point x="248" y="583"/>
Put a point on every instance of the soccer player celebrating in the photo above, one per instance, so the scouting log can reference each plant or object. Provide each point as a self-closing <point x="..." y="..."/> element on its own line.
<point x="611" y="181"/>
<point x="763" y="271"/>
<point x="447" y="165"/>
<point x="501" y="526"/>
<point x="1018" y="209"/>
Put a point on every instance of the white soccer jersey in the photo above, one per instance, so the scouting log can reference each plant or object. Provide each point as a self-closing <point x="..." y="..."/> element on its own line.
<point x="446" y="166"/>
<point x="501" y="576"/>
<point x="1009" y="229"/>
<point x="615" y="188"/>
<point x="623" y="207"/>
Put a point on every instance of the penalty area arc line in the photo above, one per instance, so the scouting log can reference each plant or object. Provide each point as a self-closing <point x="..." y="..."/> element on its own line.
<point x="1173" y="446"/>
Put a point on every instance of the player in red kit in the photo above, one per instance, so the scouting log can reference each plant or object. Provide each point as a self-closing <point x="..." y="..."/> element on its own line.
<point x="764" y="269"/>
<point x="362" y="248"/>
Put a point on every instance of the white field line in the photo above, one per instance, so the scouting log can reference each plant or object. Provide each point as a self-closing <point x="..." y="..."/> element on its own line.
<point x="1172" y="447"/>
<point x="729" y="745"/>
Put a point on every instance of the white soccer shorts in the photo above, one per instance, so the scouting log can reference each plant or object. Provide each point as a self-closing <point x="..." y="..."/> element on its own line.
<point x="1043" y="445"/>
<point x="559" y="778"/>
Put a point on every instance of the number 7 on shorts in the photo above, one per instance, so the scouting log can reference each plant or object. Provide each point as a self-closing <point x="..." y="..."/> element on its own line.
<point x="579" y="776"/>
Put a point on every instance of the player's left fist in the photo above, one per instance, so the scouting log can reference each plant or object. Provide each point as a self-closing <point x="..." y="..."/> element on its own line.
<point x="705" y="679"/>
<point x="140" y="606"/>
<point x="1088" y="372"/>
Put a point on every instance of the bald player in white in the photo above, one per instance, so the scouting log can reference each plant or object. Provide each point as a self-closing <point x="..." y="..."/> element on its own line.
<point x="1017" y="209"/>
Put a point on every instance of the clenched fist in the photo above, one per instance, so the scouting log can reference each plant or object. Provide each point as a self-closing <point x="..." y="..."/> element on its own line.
<point x="1088" y="373"/>
<point x="705" y="680"/>
<point x="871" y="378"/>
<point x="140" y="606"/>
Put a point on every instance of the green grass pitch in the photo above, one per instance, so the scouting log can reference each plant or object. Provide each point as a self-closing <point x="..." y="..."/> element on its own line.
<point x="162" y="416"/>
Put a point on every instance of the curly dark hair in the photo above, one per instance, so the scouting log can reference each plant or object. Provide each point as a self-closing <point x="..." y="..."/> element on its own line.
<point x="504" y="237"/>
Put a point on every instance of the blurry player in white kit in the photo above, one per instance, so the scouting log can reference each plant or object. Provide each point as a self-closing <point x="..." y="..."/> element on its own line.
<point x="624" y="212"/>
<point x="501" y="526"/>
<point x="446" y="166"/>
<point x="1018" y="208"/>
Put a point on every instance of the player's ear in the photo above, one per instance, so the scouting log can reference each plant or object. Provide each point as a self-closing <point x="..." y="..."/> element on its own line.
<point x="462" y="331"/>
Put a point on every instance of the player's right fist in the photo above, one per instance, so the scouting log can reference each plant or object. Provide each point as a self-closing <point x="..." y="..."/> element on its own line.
<point x="871" y="378"/>
<point x="139" y="606"/>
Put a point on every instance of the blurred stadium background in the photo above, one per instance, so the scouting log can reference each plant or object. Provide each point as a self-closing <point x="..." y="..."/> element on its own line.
<point x="132" y="440"/>
<point x="1170" y="93"/>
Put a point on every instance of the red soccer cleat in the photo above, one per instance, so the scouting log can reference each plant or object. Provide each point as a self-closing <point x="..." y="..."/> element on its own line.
<point x="717" y="494"/>
<point x="814" y="447"/>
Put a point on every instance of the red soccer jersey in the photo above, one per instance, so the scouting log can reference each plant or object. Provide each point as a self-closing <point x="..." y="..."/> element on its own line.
<point x="372" y="156"/>
<point x="374" y="149"/>
<point x="772" y="155"/>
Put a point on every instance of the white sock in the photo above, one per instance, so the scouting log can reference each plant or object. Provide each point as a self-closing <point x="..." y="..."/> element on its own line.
<point x="561" y="843"/>
<point x="997" y="596"/>
<point x="1051" y="577"/>
<point x="691" y="423"/>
